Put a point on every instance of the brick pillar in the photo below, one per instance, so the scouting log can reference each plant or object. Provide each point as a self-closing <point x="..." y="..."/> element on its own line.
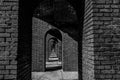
<point x="8" y="39"/>
<point x="104" y="12"/>
<point x="106" y="38"/>
<point x="88" y="39"/>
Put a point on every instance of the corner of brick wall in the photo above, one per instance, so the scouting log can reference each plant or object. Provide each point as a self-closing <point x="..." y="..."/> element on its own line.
<point x="88" y="41"/>
<point x="106" y="38"/>
<point x="104" y="20"/>
<point x="8" y="39"/>
<point x="39" y="29"/>
<point x="106" y="53"/>
<point x="70" y="53"/>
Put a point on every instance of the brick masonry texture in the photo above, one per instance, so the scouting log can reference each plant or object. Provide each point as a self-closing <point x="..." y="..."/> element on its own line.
<point x="101" y="41"/>
<point x="70" y="53"/>
<point x="8" y="39"/>
<point x="39" y="30"/>
<point x="69" y="47"/>
<point x="106" y="20"/>
<point x="88" y="41"/>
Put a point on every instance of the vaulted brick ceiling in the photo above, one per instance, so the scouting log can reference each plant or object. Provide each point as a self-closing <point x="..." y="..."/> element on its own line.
<point x="59" y="11"/>
<point x="61" y="14"/>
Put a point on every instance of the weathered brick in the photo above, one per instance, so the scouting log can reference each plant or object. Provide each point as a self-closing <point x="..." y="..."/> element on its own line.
<point x="11" y="0"/>
<point x="2" y="39"/>
<point x="11" y="30"/>
<point x="4" y="71"/>
<point x="108" y="71"/>
<point x="14" y="35"/>
<point x="116" y="10"/>
<point x="4" y="35"/>
<point x="2" y="48"/>
<point x="117" y="76"/>
<point x="11" y="57"/>
<point x="98" y="23"/>
<point x="14" y="16"/>
<point x="116" y="1"/>
<point x="13" y="21"/>
<point x="13" y="72"/>
<point x="4" y="62"/>
<point x="1" y="77"/>
<point x="11" y="67"/>
<point x="108" y="1"/>
<point x="2" y="67"/>
<point x="2" y="30"/>
<point x="99" y="1"/>
<point x="4" y="44"/>
<point x="10" y="77"/>
<point x="115" y="6"/>
<point x="105" y="10"/>
<point x="105" y="51"/>
<point x="15" y="8"/>
<point x="8" y="25"/>
<point x="106" y="6"/>
<point x="3" y="25"/>
<point x="5" y="8"/>
<point x="10" y="3"/>
<point x="97" y="14"/>
<point x="13" y="62"/>
<point x="106" y="14"/>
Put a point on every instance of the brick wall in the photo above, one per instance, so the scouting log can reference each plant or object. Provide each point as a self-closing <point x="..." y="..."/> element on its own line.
<point x="105" y="14"/>
<point x="8" y="39"/>
<point x="105" y="39"/>
<point x="39" y="29"/>
<point x="69" y="47"/>
<point x="70" y="53"/>
<point x="88" y="50"/>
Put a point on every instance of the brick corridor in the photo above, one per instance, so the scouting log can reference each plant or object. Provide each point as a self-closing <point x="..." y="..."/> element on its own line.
<point x="55" y="75"/>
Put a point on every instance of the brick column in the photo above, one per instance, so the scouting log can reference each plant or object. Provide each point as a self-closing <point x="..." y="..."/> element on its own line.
<point x="106" y="38"/>
<point x="88" y="41"/>
<point x="8" y="39"/>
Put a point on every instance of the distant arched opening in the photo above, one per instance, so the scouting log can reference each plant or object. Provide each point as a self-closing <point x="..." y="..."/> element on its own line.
<point x="53" y="50"/>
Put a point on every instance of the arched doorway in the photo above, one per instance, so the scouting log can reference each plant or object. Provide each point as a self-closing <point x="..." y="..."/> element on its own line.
<point x="64" y="18"/>
<point x="53" y="50"/>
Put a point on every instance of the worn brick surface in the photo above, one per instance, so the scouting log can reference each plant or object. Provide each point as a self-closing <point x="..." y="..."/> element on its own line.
<point x="69" y="47"/>
<point x="106" y="31"/>
<point x="8" y="30"/>
<point x="105" y="38"/>
<point x="88" y="50"/>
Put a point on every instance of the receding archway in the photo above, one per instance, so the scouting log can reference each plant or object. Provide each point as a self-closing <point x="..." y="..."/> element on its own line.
<point x="68" y="24"/>
<point x="53" y="50"/>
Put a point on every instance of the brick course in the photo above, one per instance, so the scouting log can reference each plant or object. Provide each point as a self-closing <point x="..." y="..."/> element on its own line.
<point x="88" y="50"/>
<point x="8" y="29"/>
<point x="105" y="27"/>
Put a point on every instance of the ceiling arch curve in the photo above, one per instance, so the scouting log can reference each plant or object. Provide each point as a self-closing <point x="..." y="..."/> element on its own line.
<point x="54" y="32"/>
<point x="57" y="11"/>
<point x="66" y="15"/>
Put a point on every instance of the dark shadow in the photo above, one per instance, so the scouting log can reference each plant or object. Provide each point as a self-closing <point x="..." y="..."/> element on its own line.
<point x="54" y="68"/>
<point x="24" y="41"/>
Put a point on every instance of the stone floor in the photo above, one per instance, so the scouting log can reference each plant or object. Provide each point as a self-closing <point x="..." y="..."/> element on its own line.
<point x="55" y="75"/>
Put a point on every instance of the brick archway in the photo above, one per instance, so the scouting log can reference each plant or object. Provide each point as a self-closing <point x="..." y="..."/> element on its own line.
<point x="53" y="38"/>
<point x="62" y="15"/>
<point x="25" y="37"/>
